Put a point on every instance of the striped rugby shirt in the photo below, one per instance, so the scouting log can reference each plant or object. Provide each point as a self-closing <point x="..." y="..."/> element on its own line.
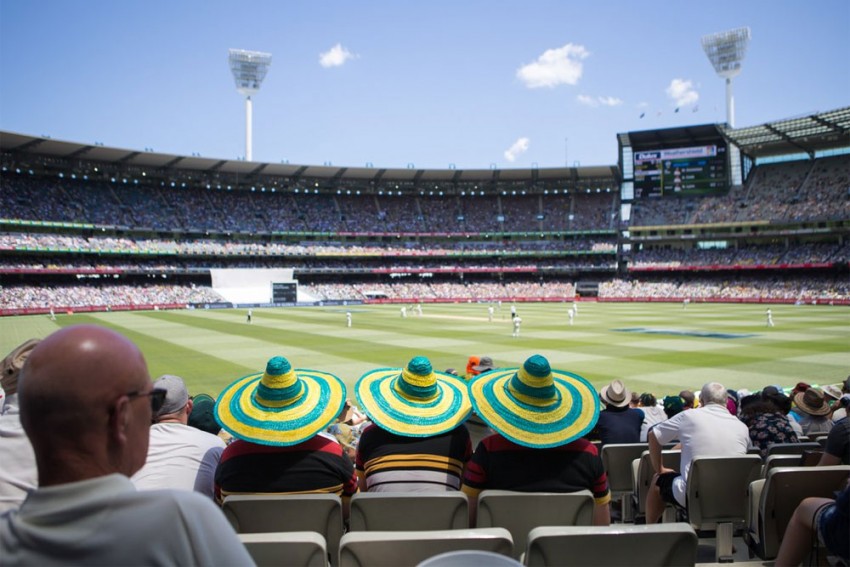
<point x="393" y="463"/>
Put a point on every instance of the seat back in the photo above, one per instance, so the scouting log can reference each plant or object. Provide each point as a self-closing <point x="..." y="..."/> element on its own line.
<point x="617" y="460"/>
<point x="307" y="549"/>
<point x="672" y="459"/>
<point x="320" y="513"/>
<point x="520" y="512"/>
<point x="781" y="460"/>
<point x="785" y="488"/>
<point x="399" y="511"/>
<point x="792" y="448"/>
<point x="612" y="546"/>
<point x="400" y="548"/>
<point x="717" y="489"/>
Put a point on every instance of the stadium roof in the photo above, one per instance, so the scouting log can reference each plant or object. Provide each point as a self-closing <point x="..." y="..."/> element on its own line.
<point x="72" y="152"/>
<point x="821" y="131"/>
<point x="807" y="134"/>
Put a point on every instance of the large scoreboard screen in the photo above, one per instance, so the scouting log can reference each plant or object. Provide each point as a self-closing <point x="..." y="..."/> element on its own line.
<point x="693" y="170"/>
<point x="284" y="292"/>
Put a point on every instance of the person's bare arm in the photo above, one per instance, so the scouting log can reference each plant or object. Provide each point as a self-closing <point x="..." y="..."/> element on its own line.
<point x="601" y="515"/>
<point x="655" y="457"/>
<point x="827" y="460"/>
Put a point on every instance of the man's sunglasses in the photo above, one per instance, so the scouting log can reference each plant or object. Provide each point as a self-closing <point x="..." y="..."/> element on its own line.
<point x="157" y="397"/>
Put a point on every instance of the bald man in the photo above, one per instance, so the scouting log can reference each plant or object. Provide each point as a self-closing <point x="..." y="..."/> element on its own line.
<point x="86" y="401"/>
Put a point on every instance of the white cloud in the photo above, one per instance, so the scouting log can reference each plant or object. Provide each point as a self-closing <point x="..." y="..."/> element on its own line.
<point x="518" y="147"/>
<point x="555" y="67"/>
<point x="336" y="56"/>
<point x="610" y="101"/>
<point x="599" y="101"/>
<point x="682" y="92"/>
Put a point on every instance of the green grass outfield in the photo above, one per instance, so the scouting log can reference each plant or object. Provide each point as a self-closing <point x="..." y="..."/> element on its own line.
<point x="685" y="348"/>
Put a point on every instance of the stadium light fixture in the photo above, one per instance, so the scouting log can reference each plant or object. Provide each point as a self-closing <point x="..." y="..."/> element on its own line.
<point x="726" y="51"/>
<point x="249" y="68"/>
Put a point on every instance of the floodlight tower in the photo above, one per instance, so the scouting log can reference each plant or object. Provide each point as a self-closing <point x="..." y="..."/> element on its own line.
<point x="726" y="51"/>
<point x="249" y="69"/>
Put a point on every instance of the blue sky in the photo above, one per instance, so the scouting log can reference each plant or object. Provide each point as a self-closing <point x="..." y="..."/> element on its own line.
<point x="434" y="84"/>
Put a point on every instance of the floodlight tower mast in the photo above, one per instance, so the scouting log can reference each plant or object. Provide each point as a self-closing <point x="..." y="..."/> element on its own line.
<point x="726" y="51"/>
<point x="249" y="68"/>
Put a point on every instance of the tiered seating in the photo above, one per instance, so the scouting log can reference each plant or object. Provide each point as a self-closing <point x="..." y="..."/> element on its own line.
<point x="614" y="546"/>
<point x="520" y="512"/>
<point x="717" y="496"/>
<point x="773" y="500"/>
<point x="617" y="460"/>
<point x="401" y="548"/>
<point x="390" y="511"/>
<point x="305" y="549"/>
<point x="320" y="513"/>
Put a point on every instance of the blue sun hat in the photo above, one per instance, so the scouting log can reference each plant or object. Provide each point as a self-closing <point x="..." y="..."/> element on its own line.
<point x="536" y="406"/>
<point x="416" y="401"/>
<point x="281" y="406"/>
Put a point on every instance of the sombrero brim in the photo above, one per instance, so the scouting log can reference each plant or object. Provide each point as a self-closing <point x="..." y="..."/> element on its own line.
<point x="321" y="402"/>
<point x="801" y="403"/>
<point x="408" y="416"/>
<point x="573" y="412"/>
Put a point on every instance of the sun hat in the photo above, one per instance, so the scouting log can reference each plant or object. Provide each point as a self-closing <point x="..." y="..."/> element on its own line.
<point x="536" y="406"/>
<point x="415" y="401"/>
<point x="833" y="392"/>
<point x="202" y="415"/>
<point x="484" y="365"/>
<point x="13" y="363"/>
<point x="812" y="402"/>
<point x="176" y="394"/>
<point x="281" y="406"/>
<point x="616" y="394"/>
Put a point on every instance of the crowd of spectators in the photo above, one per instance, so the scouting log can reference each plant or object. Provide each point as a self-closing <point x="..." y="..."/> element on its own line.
<point x="194" y="209"/>
<point x="784" y="287"/>
<point x="745" y="255"/>
<point x="185" y="454"/>
<point x="413" y="291"/>
<point x="103" y="294"/>
<point x="235" y="247"/>
<point x="782" y="192"/>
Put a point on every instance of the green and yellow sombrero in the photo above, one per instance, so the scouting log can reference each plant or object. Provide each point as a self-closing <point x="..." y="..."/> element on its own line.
<point x="535" y="406"/>
<point x="415" y="401"/>
<point x="281" y="406"/>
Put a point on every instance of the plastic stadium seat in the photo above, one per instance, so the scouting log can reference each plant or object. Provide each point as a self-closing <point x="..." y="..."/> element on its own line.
<point x="306" y="549"/>
<point x="777" y="497"/>
<point x="780" y="460"/>
<point x="520" y="512"/>
<point x="612" y="546"/>
<point x="643" y="476"/>
<point x="398" y="511"/>
<point x="617" y="460"/>
<point x="717" y="496"/>
<point x="321" y="513"/>
<point x="792" y="448"/>
<point x="399" y="549"/>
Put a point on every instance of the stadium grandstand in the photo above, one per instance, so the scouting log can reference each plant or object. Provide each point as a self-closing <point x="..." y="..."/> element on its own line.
<point x="88" y="227"/>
